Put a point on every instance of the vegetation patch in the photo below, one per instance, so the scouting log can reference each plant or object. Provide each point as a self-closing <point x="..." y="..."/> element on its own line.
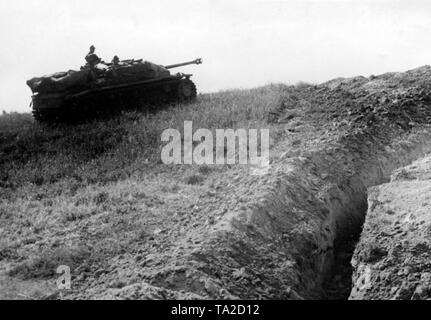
<point x="46" y="265"/>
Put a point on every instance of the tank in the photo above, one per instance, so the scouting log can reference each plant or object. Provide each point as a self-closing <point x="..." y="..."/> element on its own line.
<point x="109" y="88"/>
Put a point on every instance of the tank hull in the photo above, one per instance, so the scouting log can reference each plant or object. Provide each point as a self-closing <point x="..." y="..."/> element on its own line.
<point x="112" y="99"/>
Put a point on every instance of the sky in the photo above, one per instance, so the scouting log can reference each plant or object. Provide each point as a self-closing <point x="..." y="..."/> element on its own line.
<point x="243" y="44"/>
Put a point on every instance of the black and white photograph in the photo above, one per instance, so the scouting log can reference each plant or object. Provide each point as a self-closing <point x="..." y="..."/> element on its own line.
<point x="215" y="155"/>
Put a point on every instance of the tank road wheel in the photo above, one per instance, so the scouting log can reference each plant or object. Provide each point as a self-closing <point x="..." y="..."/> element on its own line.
<point x="37" y="115"/>
<point x="186" y="91"/>
<point x="43" y="115"/>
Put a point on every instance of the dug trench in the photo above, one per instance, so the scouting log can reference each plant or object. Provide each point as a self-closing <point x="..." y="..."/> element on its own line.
<point x="296" y="242"/>
<point x="293" y="242"/>
<point x="348" y="207"/>
<point x="301" y="238"/>
<point x="293" y="238"/>
<point x="312" y="217"/>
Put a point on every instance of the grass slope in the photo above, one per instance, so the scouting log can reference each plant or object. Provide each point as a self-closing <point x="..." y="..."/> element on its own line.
<point x="79" y="195"/>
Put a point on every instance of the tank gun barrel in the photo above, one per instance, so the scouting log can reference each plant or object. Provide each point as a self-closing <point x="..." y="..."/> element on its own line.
<point x="196" y="61"/>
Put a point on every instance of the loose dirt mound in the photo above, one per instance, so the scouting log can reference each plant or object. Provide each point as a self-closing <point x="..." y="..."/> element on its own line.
<point x="392" y="259"/>
<point x="159" y="231"/>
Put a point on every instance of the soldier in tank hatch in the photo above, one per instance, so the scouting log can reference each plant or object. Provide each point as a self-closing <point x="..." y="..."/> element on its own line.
<point x="115" y="64"/>
<point x="115" y="61"/>
<point x="91" y="58"/>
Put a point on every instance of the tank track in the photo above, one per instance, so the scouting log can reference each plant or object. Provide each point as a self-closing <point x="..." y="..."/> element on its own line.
<point x="107" y="103"/>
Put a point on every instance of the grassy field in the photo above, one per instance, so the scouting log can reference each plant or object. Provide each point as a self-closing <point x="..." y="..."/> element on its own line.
<point x="103" y="151"/>
<point x="57" y="182"/>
